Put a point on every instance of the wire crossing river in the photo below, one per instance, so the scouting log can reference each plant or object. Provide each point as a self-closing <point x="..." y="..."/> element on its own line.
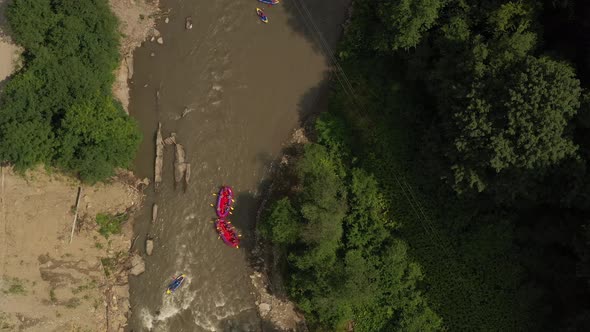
<point x="232" y="88"/>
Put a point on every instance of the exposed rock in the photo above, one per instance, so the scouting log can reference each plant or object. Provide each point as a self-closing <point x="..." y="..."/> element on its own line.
<point x="137" y="265"/>
<point x="160" y="40"/>
<point x="179" y="163"/>
<point x="166" y="20"/>
<point x="188" y="23"/>
<point x="187" y="173"/>
<point x="149" y="246"/>
<point x="264" y="309"/>
<point x="154" y="213"/>
<point x="299" y="137"/>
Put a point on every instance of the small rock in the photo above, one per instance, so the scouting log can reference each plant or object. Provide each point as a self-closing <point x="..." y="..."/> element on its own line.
<point x="166" y="20"/>
<point x="149" y="246"/>
<point x="264" y="309"/>
<point x="152" y="54"/>
<point x="152" y="39"/>
<point x="154" y="213"/>
<point x="160" y="40"/>
<point x="137" y="265"/>
<point x="188" y="24"/>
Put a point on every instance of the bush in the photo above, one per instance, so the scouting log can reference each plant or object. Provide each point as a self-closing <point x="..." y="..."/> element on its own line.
<point x="110" y="224"/>
<point x="59" y="108"/>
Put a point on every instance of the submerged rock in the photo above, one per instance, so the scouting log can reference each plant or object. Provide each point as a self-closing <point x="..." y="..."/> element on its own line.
<point x="188" y="24"/>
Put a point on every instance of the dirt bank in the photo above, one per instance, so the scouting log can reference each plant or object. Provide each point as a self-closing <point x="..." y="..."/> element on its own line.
<point x="136" y="23"/>
<point x="47" y="283"/>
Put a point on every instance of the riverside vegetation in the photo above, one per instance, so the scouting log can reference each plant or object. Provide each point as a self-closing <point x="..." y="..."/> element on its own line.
<point x="58" y="109"/>
<point x="448" y="189"/>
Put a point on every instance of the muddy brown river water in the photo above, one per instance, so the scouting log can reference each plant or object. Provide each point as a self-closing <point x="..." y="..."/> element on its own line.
<point x="248" y="85"/>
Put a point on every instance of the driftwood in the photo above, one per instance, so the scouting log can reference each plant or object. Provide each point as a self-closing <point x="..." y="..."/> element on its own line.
<point x="159" y="164"/>
<point x="76" y="213"/>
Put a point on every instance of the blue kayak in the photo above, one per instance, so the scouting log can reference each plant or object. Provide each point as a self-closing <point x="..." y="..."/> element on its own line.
<point x="175" y="284"/>
<point x="261" y="15"/>
<point x="270" y="2"/>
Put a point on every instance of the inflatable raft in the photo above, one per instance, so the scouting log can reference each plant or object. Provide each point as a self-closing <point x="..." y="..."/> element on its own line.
<point x="175" y="284"/>
<point x="227" y="233"/>
<point x="225" y="198"/>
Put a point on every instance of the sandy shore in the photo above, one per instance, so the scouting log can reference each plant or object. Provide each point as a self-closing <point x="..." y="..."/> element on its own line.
<point x="47" y="283"/>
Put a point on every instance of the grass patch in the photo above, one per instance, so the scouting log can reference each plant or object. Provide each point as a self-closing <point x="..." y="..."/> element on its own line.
<point x="15" y="287"/>
<point x="109" y="264"/>
<point x="4" y="323"/>
<point x="52" y="296"/>
<point x="72" y="303"/>
<point x="81" y="288"/>
<point x="110" y="224"/>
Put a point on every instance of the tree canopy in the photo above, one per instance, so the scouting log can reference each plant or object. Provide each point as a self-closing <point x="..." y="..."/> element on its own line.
<point x="59" y="109"/>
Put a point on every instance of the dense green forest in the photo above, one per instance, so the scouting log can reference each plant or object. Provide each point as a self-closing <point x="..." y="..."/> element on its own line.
<point x="58" y="109"/>
<point x="447" y="187"/>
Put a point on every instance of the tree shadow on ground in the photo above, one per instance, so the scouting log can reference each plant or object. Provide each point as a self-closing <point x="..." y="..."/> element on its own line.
<point x="316" y="20"/>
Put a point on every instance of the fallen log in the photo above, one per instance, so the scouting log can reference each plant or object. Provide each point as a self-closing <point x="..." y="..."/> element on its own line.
<point x="76" y="213"/>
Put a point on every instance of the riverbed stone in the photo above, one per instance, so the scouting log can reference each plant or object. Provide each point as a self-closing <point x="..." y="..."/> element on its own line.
<point x="264" y="309"/>
<point x="149" y="247"/>
<point x="160" y="40"/>
<point x="137" y="265"/>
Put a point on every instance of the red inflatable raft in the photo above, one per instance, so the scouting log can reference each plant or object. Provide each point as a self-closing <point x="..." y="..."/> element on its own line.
<point x="227" y="233"/>
<point x="225" y="198"/>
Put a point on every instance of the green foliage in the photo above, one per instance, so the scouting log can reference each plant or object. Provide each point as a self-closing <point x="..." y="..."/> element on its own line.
<point x="97" y="138"/>
<point x="59" y="109"/>
<point x="345" y="261"/>
<point x="110" y="224"/>
<point x="282" y="224"/>
<point x="521" y="126"/>
<point x="404" y="22"/>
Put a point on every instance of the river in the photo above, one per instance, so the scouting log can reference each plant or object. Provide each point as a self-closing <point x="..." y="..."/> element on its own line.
<point x="248" y="85"/>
